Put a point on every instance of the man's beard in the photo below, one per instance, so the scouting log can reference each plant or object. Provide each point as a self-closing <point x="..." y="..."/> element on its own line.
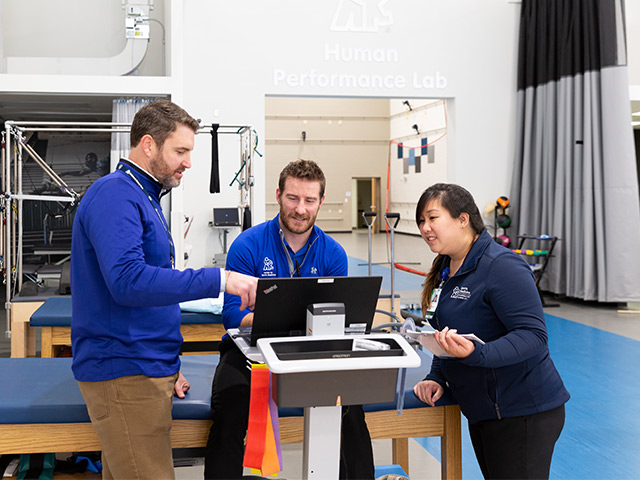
<point x="160" y="170"/>
<point x="295" y="227"/>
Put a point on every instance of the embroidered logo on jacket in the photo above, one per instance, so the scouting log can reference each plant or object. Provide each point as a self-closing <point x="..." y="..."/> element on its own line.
<point x="461" y="293"/>
<point x="314" y="271"/>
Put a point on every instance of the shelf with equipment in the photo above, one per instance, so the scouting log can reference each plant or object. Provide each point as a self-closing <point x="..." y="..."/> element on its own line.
<point x="538" y="259"/>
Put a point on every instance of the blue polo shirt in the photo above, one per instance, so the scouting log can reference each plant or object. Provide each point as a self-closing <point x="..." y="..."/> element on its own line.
<point x="261" y="252"/>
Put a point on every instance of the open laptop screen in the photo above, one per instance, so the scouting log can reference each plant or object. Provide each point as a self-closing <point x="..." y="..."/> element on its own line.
<point x="226" y="217"/>
<point x="281" y="303"/>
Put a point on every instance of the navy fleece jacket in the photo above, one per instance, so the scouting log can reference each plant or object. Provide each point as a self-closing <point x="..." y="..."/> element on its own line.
<point x="493" y="295"/>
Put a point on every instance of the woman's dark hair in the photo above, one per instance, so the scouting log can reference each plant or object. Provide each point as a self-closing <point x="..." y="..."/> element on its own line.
<point x="456" y="200"/>
<point x="160" y="119"/>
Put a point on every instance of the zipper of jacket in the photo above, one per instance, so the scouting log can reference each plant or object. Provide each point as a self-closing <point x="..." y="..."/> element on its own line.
<point x="495" y="386"/>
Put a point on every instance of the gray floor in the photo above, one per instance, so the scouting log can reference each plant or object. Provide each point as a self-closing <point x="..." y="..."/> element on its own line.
<point x="412" y="252"/>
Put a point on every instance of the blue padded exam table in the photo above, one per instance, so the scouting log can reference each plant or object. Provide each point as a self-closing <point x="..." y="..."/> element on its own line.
<point x="42" y="410"/>
<point x="54" y="318"/>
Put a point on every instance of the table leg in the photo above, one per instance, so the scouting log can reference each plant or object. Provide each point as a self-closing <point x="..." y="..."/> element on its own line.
<point x="400" y="452"/>
<point x="450" y="444"/>
<point x="23" y="338"/>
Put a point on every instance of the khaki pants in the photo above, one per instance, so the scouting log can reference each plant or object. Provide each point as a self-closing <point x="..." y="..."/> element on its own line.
<point x="132" y="416"/>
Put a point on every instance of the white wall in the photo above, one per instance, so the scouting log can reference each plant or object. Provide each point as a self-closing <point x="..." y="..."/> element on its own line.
<point x="232" y="55"/>
<point x="347" y="137"/>
<point x="74" y="28"/>
<point x="632" y="15"/>
<point x="225" y="57"/>
<point x="406" y="186"/>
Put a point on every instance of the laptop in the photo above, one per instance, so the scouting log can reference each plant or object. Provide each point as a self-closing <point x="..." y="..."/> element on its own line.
<point x="226" y="217"/>
<point x="281" y="307"/>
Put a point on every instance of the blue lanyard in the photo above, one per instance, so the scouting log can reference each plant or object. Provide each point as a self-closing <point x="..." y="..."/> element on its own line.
<point x="444" y="275"/>
<point x="295" y="267"/>
<point x="126" y="169"/>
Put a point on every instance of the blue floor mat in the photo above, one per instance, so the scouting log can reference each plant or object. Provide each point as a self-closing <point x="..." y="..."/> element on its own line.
<point x="601" y="437"/>
<point x="402" y="280"/>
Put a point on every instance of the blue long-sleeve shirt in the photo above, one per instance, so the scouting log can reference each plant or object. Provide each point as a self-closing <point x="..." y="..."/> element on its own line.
<point x="493" y="295"/>
<point x="125" y="293"/>
<point x="262" y="252"/>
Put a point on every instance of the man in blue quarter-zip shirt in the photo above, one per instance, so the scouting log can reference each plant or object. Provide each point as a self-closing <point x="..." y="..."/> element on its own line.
<point x="125" y="326"/>
<point x="290" y="245"/>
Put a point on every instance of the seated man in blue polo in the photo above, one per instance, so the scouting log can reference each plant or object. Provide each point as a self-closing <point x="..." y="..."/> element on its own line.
<point x="290" y="245"/>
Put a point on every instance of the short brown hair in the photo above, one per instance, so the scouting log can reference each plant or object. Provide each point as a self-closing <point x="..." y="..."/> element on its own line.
<point x="160" y="119"/>
<point x="305" y="170"/>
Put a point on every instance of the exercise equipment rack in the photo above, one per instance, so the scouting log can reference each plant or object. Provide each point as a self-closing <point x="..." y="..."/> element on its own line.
<point x="542" y="257"/>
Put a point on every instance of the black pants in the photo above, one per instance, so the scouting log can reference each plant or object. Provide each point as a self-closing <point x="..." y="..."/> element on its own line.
<point x="518" y="447"/>
<point x="230" y="404"/>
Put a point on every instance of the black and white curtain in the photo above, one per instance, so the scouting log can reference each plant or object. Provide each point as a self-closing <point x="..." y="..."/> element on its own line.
<point x="575" y="168"/>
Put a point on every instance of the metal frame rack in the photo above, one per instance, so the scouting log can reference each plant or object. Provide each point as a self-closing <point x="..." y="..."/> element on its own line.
<point x="15" y="137"/>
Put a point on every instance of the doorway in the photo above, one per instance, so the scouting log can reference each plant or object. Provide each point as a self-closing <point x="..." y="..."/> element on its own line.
<point x="367" y="193"/>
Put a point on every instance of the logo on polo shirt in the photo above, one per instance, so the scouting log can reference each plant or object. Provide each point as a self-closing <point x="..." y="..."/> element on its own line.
<point x="461" y="293"/>
<point x="267" y="268"/>
<point x="314" y="271"/>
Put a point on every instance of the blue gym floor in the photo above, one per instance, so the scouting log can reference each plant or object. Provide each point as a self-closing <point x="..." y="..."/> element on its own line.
<point x="402" y="280"/>
<point x="601" y="437"/>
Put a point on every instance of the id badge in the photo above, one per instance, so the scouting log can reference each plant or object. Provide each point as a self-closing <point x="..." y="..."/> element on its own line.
<point x="435" y="296"/>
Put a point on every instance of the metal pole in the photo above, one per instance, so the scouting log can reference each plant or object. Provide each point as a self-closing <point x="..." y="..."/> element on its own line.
<point x="14" y="217"/>
<point x="7" y="202"/>
<point x="366" y="216"/>
<point x="48" y="170"/>
<point x="78" y="124"/>
<point x="44" y="198"/>
<point x="369" y="227"/>
<point x="87" y="130"/>
<point x="250" y="170"/>
<point x="20" y="228"/>
<point x="387" y="216"/>
<point x="2" y="205"/>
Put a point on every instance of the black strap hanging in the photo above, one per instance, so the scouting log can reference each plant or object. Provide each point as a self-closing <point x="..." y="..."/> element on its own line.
<point x="214" y="185"/>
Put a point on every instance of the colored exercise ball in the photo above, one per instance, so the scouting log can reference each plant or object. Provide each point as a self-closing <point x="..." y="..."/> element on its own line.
<point x="504" y="240"/>
<point x="503" y="221"/>
<point x="502" y="202"/>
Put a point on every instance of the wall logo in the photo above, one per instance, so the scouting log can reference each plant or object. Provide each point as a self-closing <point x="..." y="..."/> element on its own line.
<point x="361" y="16"/>
<point x="461" y="293"/>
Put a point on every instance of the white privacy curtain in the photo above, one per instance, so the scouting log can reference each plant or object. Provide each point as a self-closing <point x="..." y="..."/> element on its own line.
<point x="124" y="109"/>
<point x="575" y="168"/>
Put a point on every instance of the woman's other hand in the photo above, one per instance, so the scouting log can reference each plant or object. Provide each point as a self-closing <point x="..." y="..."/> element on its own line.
<point x="428" y="391"/>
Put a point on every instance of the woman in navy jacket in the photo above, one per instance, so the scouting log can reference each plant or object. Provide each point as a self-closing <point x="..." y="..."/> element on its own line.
<point x="508" y="388"/>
